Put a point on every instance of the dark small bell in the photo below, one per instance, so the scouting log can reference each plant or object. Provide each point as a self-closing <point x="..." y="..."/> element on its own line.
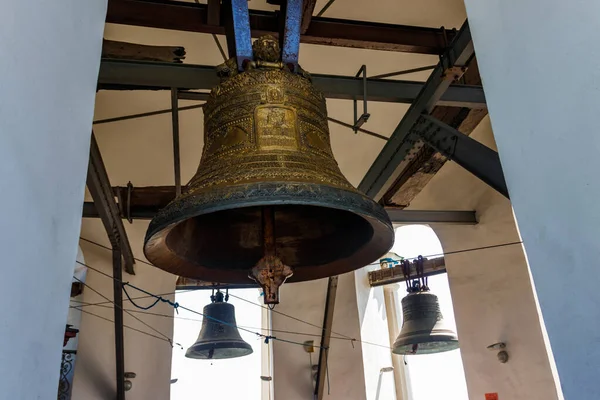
<point x="219" y="337"/>
<point x="423" y="328"/>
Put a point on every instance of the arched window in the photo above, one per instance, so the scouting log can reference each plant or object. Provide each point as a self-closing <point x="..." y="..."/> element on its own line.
<point x="436" y="375"/>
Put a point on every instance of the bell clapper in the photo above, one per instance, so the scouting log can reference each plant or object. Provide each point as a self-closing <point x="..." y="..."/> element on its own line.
<point x="270" y="272"/>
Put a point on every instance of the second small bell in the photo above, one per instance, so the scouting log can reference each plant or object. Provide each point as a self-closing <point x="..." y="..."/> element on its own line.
<point x="219" y="337"/>
<point x="423" y="328"/>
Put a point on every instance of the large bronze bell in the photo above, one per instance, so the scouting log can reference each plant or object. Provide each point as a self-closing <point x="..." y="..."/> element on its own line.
<point x="219" y="337"/>
<point x="268" y="199"/>
<point x="423" y="328"/>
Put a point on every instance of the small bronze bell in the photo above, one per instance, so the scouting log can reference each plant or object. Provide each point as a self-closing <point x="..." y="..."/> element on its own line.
<point x="423" y="328"/>
<point x="268" y="200"/>
<point x="219" y="337"/>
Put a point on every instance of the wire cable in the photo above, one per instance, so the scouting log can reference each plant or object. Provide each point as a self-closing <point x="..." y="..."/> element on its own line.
<point x="126" y="311"/>
<point x="199" y="320"/>
<point x="266" y="337"/>
<point x="128" y="327"/>
<point x="291" y="317"/>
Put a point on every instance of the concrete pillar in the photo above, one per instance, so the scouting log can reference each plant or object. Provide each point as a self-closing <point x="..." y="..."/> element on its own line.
<point x="539" y="63"/>
<point x="48" y="72"/>
<point x="393" y="312"/>
<point x="266" y="355"/>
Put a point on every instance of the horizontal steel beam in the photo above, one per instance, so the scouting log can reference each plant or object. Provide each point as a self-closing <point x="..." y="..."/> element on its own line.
<point x="473" y="156"/>
<point x="403" y="216"/>
<point x="385" y="168"/>
<point x="116" y="74"/>
<point x="183" y="16"/>
<point x="147" y="201"/>
<point x="106" y="207"/>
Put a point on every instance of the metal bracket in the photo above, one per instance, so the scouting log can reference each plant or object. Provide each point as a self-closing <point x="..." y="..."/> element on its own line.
<point x="291" y="34"/>
<point x="359" y="121"/>
<point x="454" y="73"/>
<point x="239" y="42"/>
<point x="124" y="205"/>
<point x="473" y="156"/>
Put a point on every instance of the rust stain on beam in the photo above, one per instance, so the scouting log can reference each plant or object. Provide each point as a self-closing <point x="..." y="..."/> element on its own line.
<point x="427" y="162"/>
<point x="141" y="52"/>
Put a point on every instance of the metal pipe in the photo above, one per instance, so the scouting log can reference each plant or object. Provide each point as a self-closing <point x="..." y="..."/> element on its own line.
<point x="326" y="337"/>
<point x="393" y="313"/>
<point x="176" y="156"/>
<point x="118" y="308"/>
<point x="381" y="371"/>
<point x="371" y="133"/>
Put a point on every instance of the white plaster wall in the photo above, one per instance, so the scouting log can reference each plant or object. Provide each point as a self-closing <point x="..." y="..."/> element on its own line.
<point x="491" y="289"/>
<point x="292" y="371"/>
<point x="546" y="127"/>
<point x="48" y="72"/>
<point x="148" y="357"/>
<point x="374" y="329"/>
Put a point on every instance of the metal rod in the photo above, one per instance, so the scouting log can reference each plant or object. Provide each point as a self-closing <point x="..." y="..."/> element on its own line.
<point x="364" y="71"/>
<point x="326" y="336"/>
<point x="325" y="7"/>
<point x="146" y="114"/>
<point x="371" y="133"/>
<point x="220" y="47"/>
<point x="268" y="217"/>
<point x="176" y="156"/>
<point x="118" y="309"/>
<point x="403" y="72"/>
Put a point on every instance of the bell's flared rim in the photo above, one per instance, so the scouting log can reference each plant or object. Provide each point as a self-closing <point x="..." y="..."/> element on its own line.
<point x="239" y="196"/>
<point x="438" y="342"/>
<point x="221" y="349"/>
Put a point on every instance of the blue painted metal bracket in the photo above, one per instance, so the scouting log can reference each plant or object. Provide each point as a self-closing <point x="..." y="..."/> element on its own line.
<point x="291" y="34"/>
<point x="239" y="40"/>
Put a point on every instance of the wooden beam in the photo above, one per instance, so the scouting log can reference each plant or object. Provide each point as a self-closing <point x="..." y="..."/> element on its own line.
<point x="387" y="276"/>
<point x="326" y="337"/>
<point x="133" y="51"/>
<point x="191" y="17"/>
<point x="427" y="162"/>
<point x="400" y="148"/>
<point x="213" y="15"/>
<point x="195" y="284"/>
